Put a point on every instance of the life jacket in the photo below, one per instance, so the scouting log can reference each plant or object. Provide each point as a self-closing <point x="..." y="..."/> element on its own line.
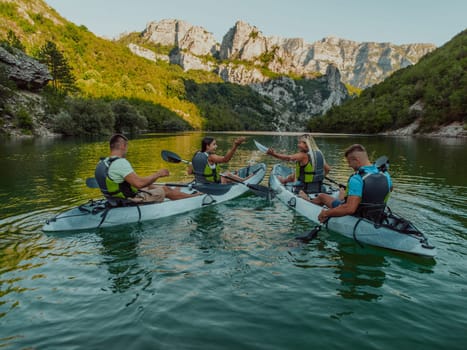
<point x="109" y="188"/>
<point x="311" y="177"/>
<point x="374" y="196"/>
<point x="202" y="170"/>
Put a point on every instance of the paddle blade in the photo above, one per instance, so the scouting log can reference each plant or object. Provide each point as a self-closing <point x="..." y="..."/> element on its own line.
<point x="382" y="163"/>
<point x="170" y="156"/>
<point x="260" y="147"/>
<point x="91" y="182"/>
<point x="310" y="235"/>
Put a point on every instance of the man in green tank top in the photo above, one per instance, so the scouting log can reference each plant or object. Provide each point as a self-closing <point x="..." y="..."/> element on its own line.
<point x="118" y="180"/>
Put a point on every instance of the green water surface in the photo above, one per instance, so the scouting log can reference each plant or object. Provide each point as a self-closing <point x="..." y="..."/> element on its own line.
<point x="229" y="276"/>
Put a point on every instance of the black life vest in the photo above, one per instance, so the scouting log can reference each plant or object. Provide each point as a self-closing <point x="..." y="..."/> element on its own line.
<point x="375" y="194"/>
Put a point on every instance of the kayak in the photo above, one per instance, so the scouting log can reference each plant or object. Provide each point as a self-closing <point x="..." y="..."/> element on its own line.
<point x="99" y="214"/>
<point x="394" y="232"/>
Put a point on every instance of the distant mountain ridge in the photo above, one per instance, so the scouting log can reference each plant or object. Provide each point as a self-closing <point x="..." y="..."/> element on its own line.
<point x="360" y="64"/>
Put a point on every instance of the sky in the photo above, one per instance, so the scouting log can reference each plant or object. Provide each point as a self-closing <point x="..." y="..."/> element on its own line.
<point x="395" y="21"/>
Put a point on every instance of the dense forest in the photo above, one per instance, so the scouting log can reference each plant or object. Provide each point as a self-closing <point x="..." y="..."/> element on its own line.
<point x="434" y="91"/>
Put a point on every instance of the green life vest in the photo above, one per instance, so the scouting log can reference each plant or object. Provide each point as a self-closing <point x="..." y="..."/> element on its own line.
<point x="109" y="188"/>
<point x="202" y="170"/>
<point x="308" y="174"/>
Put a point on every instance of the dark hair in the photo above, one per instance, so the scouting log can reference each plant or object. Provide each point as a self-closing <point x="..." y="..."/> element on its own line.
<point x="354" y="148"/>
<point x="115" y="139"/>
<point x="205" y="142"/>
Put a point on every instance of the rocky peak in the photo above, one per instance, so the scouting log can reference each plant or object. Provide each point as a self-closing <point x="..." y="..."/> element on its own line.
<point x="25" y="71"/>
<point x="243" y="41"/>
<point x="172" y="32"/>
<point x="361" y="64"/>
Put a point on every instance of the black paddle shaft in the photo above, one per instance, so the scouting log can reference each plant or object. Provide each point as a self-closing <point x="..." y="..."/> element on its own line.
<point x="259" y="190"/>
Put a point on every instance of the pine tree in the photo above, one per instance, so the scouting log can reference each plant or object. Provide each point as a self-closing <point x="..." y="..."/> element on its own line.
<point x="62" y="77"/>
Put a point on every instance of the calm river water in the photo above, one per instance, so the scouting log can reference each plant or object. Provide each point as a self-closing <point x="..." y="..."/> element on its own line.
<point x="228" y="276"/>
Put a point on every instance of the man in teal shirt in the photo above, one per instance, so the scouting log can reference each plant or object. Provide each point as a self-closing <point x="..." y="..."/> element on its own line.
<point x="367" y="186"/>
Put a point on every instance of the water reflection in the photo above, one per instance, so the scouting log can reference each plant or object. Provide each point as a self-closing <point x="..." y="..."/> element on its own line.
<point x="361" y="275"/>
<point x="361" y="269"/>
<point x="119" y="249"/>
<point x="20" y="256"/>
<point x="207" y="229"/>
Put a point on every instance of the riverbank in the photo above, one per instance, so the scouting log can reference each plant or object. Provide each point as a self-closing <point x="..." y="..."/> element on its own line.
<point x="455" y="129"/>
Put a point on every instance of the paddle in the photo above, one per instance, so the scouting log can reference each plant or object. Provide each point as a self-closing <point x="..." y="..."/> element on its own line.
<point x="335" y="182"/>
<point x="213" y="189"/>
<point x="260" y="147"/>
<point x="382" y="163"/>
<point x="172" y="157"/>
<point x="91" y="182"/>
<point x="310" y="235"/>
<point x="259" y="190"/>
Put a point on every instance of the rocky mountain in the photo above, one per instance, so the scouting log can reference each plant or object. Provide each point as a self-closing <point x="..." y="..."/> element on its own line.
<point x="303" y="79"/>
<point x="360" y="64"/>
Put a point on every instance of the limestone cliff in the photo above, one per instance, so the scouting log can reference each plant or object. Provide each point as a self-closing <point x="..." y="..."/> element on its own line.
<point x="360" y="64"/>
<point x="172" y="32"/>
<point x="267" y="64"/>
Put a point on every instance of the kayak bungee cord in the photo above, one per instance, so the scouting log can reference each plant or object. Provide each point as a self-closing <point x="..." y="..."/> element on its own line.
<point x="354" y="232"/>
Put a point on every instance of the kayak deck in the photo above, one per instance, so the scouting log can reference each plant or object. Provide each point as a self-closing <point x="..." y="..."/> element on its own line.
<point x="392" y="232"/>
<point x="99" y="214"/>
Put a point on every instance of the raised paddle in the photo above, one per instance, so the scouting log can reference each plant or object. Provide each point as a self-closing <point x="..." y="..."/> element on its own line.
<point x="259" y="190"/>
<point x="260" y="147"/>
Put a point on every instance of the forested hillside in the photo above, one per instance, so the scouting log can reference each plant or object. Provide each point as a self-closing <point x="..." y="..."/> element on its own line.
<point x="106" y="72"/>
<point x="434" y="91"/>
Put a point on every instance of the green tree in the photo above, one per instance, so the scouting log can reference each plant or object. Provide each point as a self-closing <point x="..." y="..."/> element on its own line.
<point x="62" y="77"/>
<point x="91" y="117"/>
<point x="127" y="117"/>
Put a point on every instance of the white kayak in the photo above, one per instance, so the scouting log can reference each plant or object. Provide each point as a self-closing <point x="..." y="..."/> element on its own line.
<point x="394" y="232"/>
<point x="99" y="214"/>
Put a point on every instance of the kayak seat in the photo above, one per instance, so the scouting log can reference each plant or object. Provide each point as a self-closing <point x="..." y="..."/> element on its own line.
<point x="309" y="188"/>
<point x="399" y="224"/>
<point x="372" y="212"/>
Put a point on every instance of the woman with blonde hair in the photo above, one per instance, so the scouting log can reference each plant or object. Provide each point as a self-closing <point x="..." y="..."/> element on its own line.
<point x="310" y="165"/>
